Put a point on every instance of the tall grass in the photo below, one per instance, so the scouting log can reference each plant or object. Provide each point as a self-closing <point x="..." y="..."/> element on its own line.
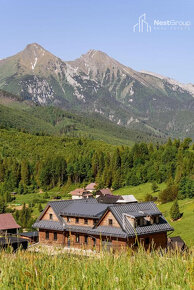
<point x="155" y="270"/>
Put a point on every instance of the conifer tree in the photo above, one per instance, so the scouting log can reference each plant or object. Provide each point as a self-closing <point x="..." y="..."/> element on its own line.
<point x="174" y="211"/>
<point x="40" y="207"/>
<point x="154" y="187"/>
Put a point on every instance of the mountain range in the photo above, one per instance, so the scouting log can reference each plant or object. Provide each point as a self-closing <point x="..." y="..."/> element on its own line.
<point x="96" y="84"/>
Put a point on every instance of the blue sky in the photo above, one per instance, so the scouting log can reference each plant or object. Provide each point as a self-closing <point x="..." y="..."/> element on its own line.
<point x="69" y="28"/>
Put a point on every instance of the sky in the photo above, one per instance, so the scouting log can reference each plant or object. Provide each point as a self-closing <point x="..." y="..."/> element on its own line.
<point x="69" y="28"/>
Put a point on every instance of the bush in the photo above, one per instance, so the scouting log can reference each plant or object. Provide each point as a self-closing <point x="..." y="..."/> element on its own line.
<point x="168" y="194"/>
<point x="46" y="195"/>
<point x="148" y="197"/>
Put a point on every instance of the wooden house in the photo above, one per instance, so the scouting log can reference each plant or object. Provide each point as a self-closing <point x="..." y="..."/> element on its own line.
<point x="8" y="224"/>
<point x="91" y="187"/>
<point x="103" y="192"/>
<point x="80" y="193"/>
<point x="88" y="224"/>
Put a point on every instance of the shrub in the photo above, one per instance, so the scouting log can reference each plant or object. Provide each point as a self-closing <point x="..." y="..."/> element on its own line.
<point x="168" y="194"/>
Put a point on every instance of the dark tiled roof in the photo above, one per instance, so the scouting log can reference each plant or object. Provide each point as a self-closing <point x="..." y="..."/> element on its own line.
<point x="91" y="208"/>
<point x="50" y="225"/>
<point x="101" y="230"/>
<point x="110" y="231"/>
<point x="136" y="209"/>
<point x="109" y="198"/>
<point x="58" y="206"/>
<point x="176" y="243"/>
<point x="29" y="234"/>
<point x="162" y="226"/>
<point x="139" y="210"/>
<point x="79" y="229"/>
<point x="84" y="209"/>
<point x="12" y="240"/>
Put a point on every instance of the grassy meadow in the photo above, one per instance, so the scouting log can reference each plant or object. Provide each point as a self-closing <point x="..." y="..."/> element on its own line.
<point x="183" y="227"/>
<point x="140" y="191"/>
<point x="141" y="270"/>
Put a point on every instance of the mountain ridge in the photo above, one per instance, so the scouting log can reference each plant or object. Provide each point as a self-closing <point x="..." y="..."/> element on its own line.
<point x="97" y="83"/>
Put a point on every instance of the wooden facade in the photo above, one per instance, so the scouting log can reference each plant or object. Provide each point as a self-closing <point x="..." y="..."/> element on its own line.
<point x="84" y="241"/>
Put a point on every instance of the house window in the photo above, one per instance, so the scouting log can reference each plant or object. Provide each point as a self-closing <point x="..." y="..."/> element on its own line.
<point x="77" y="239"/>
<point x="94" y="242"/>
<point x="138" y="222"/>
<point x="147" y="241"/>
<point x="55" y="236"/>
<point x="50" y="216"/>
<point x="68" y="219"/>
<point x="77" y="220"/>
<point x="110" y="222"/>
<point x="94" y="222"/>
<point x="47" y="235"/>
<point x="85" y="221"/>
<point x="155" y="219"/>
<point x="86" y="240"/>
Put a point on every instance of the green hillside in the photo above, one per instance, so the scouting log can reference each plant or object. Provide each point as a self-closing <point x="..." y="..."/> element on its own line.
<point x="41" y="120"/>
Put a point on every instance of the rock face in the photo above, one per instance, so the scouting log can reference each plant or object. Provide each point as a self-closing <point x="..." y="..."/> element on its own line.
<point x="97" y="83"/>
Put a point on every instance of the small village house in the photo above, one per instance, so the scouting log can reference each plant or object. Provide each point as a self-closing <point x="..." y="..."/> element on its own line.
<point x="91" y="187"/>
<point x="80" y="193"/>
<point x="103" y="192"/>
<point x="8" y="224"/>
<point x="9" y="233"/>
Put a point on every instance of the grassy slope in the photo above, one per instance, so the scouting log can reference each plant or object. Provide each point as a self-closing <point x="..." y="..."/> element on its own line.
<point x="25" y="120"/>
<point x="14" y="118"/>
<point x="139" y="191"/>
<point x="26" y="270"/>
<point x="24" y="115"/>
<point x="183" y="227"/>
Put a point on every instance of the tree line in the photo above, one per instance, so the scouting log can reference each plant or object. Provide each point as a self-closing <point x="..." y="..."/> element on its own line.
<point x="172" y="163"/>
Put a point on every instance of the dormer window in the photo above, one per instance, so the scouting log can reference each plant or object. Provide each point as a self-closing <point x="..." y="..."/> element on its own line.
<point x="156" y="219"/>
<point x="50" y="216"/>
<point x="110" y="222"/>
